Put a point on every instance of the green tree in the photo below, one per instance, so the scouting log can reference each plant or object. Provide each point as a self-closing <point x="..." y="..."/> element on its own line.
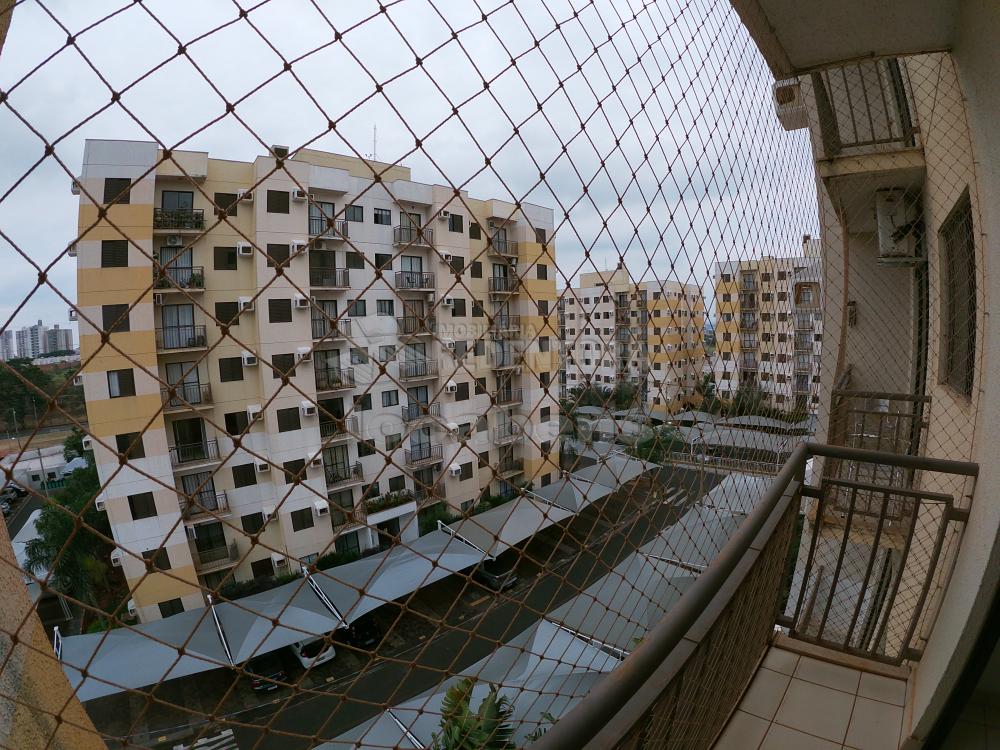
<point x="73" y="446"/>
<point x="16" y="396"/>
<point x="656" y="445"/>
<point x="487" y="728"/>
<point x="710" y="401"/>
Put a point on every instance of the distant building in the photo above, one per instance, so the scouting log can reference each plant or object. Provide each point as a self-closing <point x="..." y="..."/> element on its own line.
<point x="31" y="342"/>
<point x="57" y="339"/>
<point x="7" y="348"/>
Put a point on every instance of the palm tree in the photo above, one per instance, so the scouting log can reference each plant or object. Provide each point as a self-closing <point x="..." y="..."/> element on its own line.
<point x="488" y="728"/>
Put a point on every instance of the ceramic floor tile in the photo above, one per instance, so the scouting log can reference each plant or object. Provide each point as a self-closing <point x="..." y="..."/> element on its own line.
<point x="816" y="709"/>
<point x="780" y="660"/>
<point x="743" y="732"/>
<point x="784" y="738"/>
<point x="874" y="725"/>
<point x="883" y="689"/>
<point x="765" y="693"/>
<point x="831" y="675"/>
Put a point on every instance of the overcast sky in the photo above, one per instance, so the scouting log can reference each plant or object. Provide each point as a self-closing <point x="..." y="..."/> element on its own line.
<point x="701" y="171"/>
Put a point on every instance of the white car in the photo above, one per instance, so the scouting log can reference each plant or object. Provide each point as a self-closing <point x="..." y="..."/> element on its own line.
<point x="313" y="651"/>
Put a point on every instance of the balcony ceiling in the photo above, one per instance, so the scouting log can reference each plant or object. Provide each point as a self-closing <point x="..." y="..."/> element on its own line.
<point x="798" y="35"/>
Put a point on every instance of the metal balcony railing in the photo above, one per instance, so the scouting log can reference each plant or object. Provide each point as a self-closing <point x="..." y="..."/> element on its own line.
<point x="414" y="280"/>
<point x="413" y="369"/>
<point x="803" y="321"/>
<point x="505" y="359"/>
<point x="206" y="502"/>
<point x="187" y="453"/>
<point x="419" y="455"/>
<point x="330" y="278"/>
<point x="728" y="612"/>
<point x="339" y="474"/>
<point x="414" y="324"/>
<point x="416" y="411"/>
<point x="322" y="328"/>
<point x="748" y="364"/>
<point x="506" y="433"/>
<point x="334" y="378"/>
<point x="508" y="397"/>
<point x="499" y="246"/>
<point x="181" y="395"/>
<point x="341" y="517"/>
<point x="335" y="429"/>
<point x="748" y="301"/>
<point x="506" y="324"/>
<point x="319" y="226"/>
<point x="410" y="235"/>
<point x="748" y="324"/>
<point x="181" y="337"/>
<point x="215" y="558"/>
<point x="179" y="277"/>
<point x="428" y="495"/>
<point x="504" y="284"/>
<point x="509" y="467"/>
<point x="179" y="218"/>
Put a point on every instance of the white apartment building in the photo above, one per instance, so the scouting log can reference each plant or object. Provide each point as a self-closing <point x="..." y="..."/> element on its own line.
<point x="414" y="326"/>
<point x="8" y="349"/>
<point x="649" y="334"/>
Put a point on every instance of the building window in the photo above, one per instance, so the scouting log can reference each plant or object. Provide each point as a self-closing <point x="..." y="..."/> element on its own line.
<point x="348" y="544"/>
<point x="390" y="398"/>
<point x="171" y="607"/>
<point x="457" y="264"/>
<point x="475" y="231"/>
<point x="476" y="272"/>
<point x="383" y="261"/>
<point x="114" y="253"/>
<point x="466" y="471"/>
<point x="230" y="369"/>
<point x="227" y="313"/>
<point x="542" y="271"/>
<point x="456" y="223"/>
<point x="114" y="318"/>
<point x="393" y="441"/>
<point x="121" y="383"/>
<point x="354" y="260"/>
<point x="158" y="558"/>
<point x="363" y="402"/>
<point x="482" y="424"/>
<point x="366" y="448"/>
<point x="545" y="447"/>
<point x="484" y="459"/>
<point x="543" y="307"/>
<point x="386" y="353"/>
<point x="359" y="356"/>
<point x="262" y="569"/>
<point x="480" y="386"/>
<point x="236" y="422"/>
<point x="277" y="201"/>
<point x="465" y="431"/>
<point x="244" y="475"/>
<point x="279" y="310"/>
<point x="540" y="235"/>
<point x="383" y="216"/>
<point x="277" y="255"/>
<point x="385" y="307"/>
<point x="958" y="273"/>
<point x="129" y="444"/>
<point x="479" y="347"/>
<point x="288" y="419"/>
<point x="142" y="506"/>
<point x="462" y="394"/>
<point x="354" y="213"/>
<point x="301" y="519"/>
<point x="227" y="203"/>
<point x="543" y="343"/>
<point x="458" y="308"/>
<point x="294" y="469"/>
<point x="397" y="484"/>
<point x="544" y="413"/>
<point x="225" y="258"/>
<point x="357" y="308"/>
<point x="283" y="364"/>
<point x="117" y="190"/>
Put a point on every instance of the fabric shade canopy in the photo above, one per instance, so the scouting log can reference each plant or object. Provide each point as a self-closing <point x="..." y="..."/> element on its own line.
<point x="500" y="528"/>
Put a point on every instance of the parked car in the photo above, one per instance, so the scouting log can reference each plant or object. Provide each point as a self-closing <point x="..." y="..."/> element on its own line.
<point x="12" y="492"/>
<point x="363" y="634"/>
<point x="496" y="575"/>
<point x="5" y="508"/>
<point x="266" y="672"/>
<point x="313" y="651"/>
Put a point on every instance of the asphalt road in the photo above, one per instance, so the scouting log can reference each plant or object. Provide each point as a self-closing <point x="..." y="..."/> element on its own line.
<point x="301" y="722"/>
<point x="19" y="515"/>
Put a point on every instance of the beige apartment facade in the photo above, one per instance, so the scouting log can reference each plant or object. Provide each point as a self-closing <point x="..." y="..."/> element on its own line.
<point x="245" y="422"/>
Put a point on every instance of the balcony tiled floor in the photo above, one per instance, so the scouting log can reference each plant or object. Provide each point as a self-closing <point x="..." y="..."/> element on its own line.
<point x="800" y="703"/>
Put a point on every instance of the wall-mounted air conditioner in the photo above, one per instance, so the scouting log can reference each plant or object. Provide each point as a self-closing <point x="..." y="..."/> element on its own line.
<point x="74" y="188"/>
<point x="789" y="106"/>
<point x="249" y="359"/>
<point x="300" y="302"/>
<point x="319" y="245"/>
<point x="299" y="195"/>
<point x="308" y="409"/>
<point x="446" y="257"/>
<point x="101" y="504"/>
<point x="71" y="251"/>
<point x="78" y="380"/>
<point x="444" y="215"/>
<point x="253" y="412"/>
<point x="244" y="248"/>
<point x="449" y="344"/>
<point x="316" y="462"/>
<point x="72" y="314"/>
<point x="133" y="611"/>
<point x="897" y="219"/>
<point x="269" y="512"/>
<point x="455" y="470"/>
<point x="174" y="240"/>
<point x="87" y="443"/>
<point x="246" y="304"/>
<point x="244" y="195"/>
<point x="262" y="467"/>
<point x="279" y="560"/>
<point x="322" y="507"/>
<point x="451" y="387"/>
<point x="296" y="247"/>
<point x="448" y="301"/>
<point x="452" y="429"/>
<point x="157" y="299"/>
<point x="116" y="558"/>
<point x="304" y="354"/>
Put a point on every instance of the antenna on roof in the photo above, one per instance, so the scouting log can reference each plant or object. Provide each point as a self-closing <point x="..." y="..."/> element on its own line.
<point x="375" y="141"/>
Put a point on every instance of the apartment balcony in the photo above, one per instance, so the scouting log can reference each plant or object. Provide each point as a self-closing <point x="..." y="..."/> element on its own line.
<point x="410" y="236"/>
<point x="803" y="343"/>
<point x="173" y="338"/>
<point x="207" y="503"/>
<point x="186" y="396"/>
<point x="331" y="430"/>
<point x="803" y="363"/>
<point x="508" y="397"/>
<point x="503" y="285"/>
<point x="426" y="496"/>
<point x="748" y="325"/>
<point x="505" y="360"/>
<point x="190" y="454"/>
<point x="214" y="558"/>
<point x="343" y="475"/>
<point x="323" y="328"/>
<point x="803" y="321"/>
<point x="501" y="247"/>
<point x="509" y="467"/>
<point x="414" y="325"/>
<point x="415" y="281"/>
<point x="173" y="278"/>
<point x="419" y="369"/>
<point x="423" y="455"/>
<point x="334" y="378"/>
<point x="417" y="412"/>
<point x="507" y="434"/>
<point x="330" y="278"/>
<point x="342" y="518"/>
<point x="504" y="325"/>
<point x="621" y="316"/>
<point x="388" y="501"/>
<point x="748" y="302"/>
<point x="167" y="220"/>
<point x="328" y="229"/>
<point x="748" y="365"/>
<point x="801" y="387"/>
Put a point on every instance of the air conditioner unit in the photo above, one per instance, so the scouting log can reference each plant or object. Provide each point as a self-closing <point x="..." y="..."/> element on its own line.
<point x="280" y="152"/>
<point x="896" y="217"/>
<point x="71" y="251"/>
<point x="303" y="354"/>
<point x="249" y="359"/>
<point x="430" y="297"/>
<point x="87" y="443"/>
<point x="319" y="245"/>
<point x="449" y="301"/>
<point x="263" y="467"/>
<point x="296" y="247"/>
<point x="316" y="461"/>
<point x="513" y="262"/>
<point x="116" y="558"/>
<point x="449" y="344"/>
<point x="279" y="560"/>
<point x="253" y="412"/>
<point x="74" y="187"/>
<point x="308" y="409"/>
<point x="78" y="380"/>
<point x="491" y="224"/>
<point x="101" y="504"/>
<point x="452" y="428"/>
<point x="269" y="512"/>
<point x="299" y="195"/>
<point x="174" y="240"/>
<point x="72" y="314"/>
<point x="301" y="303"/>
<point x="451" y="387"/>
<point x="132" y="609"/>
<point x="788" y="104"/>
<point x="517" y="370"/>
<point x="446" y="257"/>
<point x="246" y="304"/>
<point x="322" y="507"/>
<point x="455" y="470"/>
<point x="157" y="299"/>
<point x="444" y="215"/>
<point x="244" y="195"/>
<point x="244" y="248"/>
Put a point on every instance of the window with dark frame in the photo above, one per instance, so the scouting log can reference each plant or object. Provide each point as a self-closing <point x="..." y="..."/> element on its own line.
<point x="293" y="469"/>
<point x="171" y="607"/>
<point x="224" y="258"/>
<point x="117" y="190"/>
<point x="383" y="261"/>
<point x="228" y="313"/>
<point x="354" y="260"/>
<point x="245" y="475"/>
<point x="129" y="444"/>
<point x="476" y="270"/>
<point x="541" y="271"/>
<point x="283" y="364"/>
<point x="302" y="519"/>
<point x="383" y="217"/>
<point x="462" y="394"/>
<point x="142" y="506"/>
<point x="279" y="310"/>
<point x="277" y="254"/>
<point x="366" y="447"/>
<point x="354" y="213"/>
<point x="262" y="569"/>
<point x="114" y="318"/>
<point x="958" y="277"/>
<point x="121" y="383"/>
<point x="456" y="223"/>
<point x="236" y="422"/>
<point x="158" y="558"/>
<point x="114" y="253"/>
<point x="288" y="419"/>
<point x="252" y="522"/>
<point x="278" y="201"/>
<point x="230" y="369"/>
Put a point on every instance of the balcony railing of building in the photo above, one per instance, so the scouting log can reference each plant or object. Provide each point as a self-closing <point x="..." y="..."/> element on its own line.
<point x="179" y="277"/>
<point x="389" y="500"/>
<point x="803" y="342"/>
<point x="179" y="219"/>
<point x="508" y="396"/>
<point x="415" y="280"/>
<point x="748" y="324"/>
<point x="335" y="229"/>
<point x="215" y="558"/>
<point x="417" y="411"/>
<point x="189" y="453"/>
<point x="427" y="453"/>
<point x="748" y="302"/>
<point x="181" y="337"/>
<point x="413" y="369"/>
<point x="322" y="328"/>
<point x="508" y="467"/>
<point x="503" y="247"/>
<point x="727" y="615"/>
<point x="505" y="359"/>
<point x="340" y="474"/>
<point x="341" y="517"/>
<point x="334" y="378"/>
<point x="428" y="495"/>
<point x="334" y="429"/>
<point x="208" y="502"/>
<point x="748" y="283"/>
<point x="185" y="395"/>
<point x="803" y="321"/>
<point x="507" y="433"/>
<point x="506" y="324"/>
<point x="410" y="235"/>
<point x="504" y="284"/>
<point x="414" y="324"/>
<point x="803" y="362"/>
<point x="748" y="364"/>
<point x="330" y="278"/>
